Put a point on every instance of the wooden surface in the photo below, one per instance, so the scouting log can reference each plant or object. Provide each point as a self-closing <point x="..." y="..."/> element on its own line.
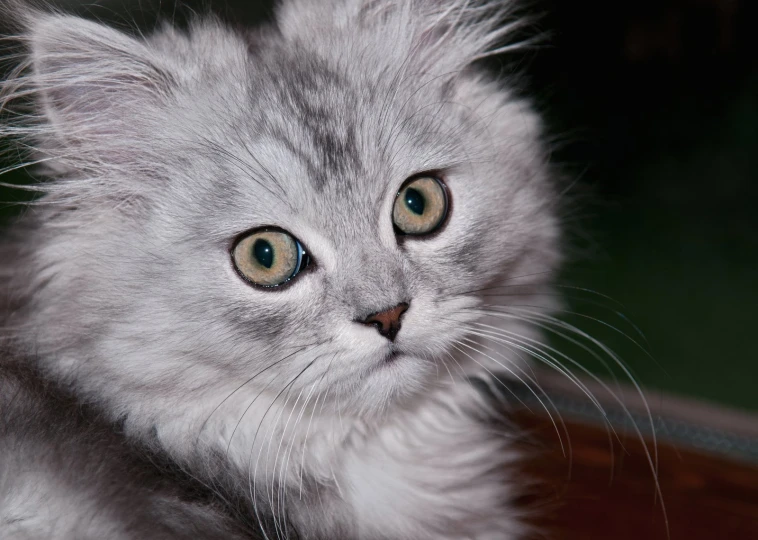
<point x="599" y="493"/>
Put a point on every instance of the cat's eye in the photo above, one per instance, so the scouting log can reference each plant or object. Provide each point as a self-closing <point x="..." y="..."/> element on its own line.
<point x="269" y="257"/>
<point x="420" y="207"/>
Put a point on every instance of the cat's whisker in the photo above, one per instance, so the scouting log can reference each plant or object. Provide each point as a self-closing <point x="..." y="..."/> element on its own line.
<point x="289" y="450"/>
<point x="498" y="311"/>
<point x="331" y="417"/>
<point x="307" y="431"/>
<point x="485" y="368"/>
<point x="253" y="469"/>
<point x="512" y="340"/>
<point x="457" y="363"/>
<point x="536" y="350"/>
<point x="517" y="377"/>
<point x="248" y="381"/>
<point x="535" y="289"/>
<point x="548" y="323"/>
<point x="573" y="313"/>
<point x="532" y="382"/>
<point x="336" y="482"/>
<point x="304" y="448"/>
<point x="278" y="526"/>
<point x="544" y="323"/>
<point x="469" y="292"/>
<point x="244" y="413"/>
<point x="450" y="373"/>
<point x="281" y="486"/>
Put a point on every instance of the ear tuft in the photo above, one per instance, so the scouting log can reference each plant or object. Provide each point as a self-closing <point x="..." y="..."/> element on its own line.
<point x="82" y="86"/>
<point x="87" y="74"/>
<point x="436" y="35"/>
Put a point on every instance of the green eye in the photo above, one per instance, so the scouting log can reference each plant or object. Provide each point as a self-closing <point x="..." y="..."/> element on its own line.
<point x="269" y="258"/>
<point x="420" y="206"/>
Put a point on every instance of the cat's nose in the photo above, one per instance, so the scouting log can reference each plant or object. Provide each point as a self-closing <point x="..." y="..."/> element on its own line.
<point x="387" y="322"/>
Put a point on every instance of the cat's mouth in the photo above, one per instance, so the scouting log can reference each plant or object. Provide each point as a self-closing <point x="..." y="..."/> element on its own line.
<point x="392" y="355"/>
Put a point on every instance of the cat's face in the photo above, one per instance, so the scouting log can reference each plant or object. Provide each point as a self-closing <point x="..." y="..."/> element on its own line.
<point x="159" y="264"/>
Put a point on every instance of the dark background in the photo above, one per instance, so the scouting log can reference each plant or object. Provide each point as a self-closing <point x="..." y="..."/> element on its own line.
<point x="653" y="108"/>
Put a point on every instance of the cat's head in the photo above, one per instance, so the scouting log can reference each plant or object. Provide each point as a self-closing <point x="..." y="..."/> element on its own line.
<point x="322" y="207"/>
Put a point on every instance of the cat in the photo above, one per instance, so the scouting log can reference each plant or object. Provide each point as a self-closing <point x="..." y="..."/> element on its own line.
<point x="263" y="270"/>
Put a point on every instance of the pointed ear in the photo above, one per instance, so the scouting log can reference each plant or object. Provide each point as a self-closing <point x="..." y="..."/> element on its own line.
<point x="430" y="35"/>
<point x="91" y="80"/>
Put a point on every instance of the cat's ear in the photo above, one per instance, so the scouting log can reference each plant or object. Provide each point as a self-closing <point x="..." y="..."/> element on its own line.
<point x="432" y="35"/>
<point x="89" y="79"/>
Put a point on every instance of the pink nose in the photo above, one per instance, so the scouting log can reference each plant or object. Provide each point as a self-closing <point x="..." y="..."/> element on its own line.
<point x="387" y="322"/>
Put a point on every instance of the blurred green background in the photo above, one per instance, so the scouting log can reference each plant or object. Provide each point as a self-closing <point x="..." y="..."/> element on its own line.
<point x="659" y="103"/>
<point x="654" y="109"/>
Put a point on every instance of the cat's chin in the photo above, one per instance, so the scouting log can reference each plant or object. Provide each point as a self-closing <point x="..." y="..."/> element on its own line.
<point x="397" y="379"/>
<point x="393" y="355"/>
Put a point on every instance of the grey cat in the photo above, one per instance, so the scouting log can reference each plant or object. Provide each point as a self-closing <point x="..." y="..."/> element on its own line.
<point x="262" y="273"/>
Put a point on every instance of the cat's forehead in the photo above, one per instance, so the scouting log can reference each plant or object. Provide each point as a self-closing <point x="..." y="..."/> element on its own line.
<point x="344" y="124"/>
<point x="328" y="142"/>
<point x="316" y="118"/>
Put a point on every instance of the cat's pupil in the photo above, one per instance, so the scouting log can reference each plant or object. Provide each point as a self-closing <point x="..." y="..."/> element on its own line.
<point x="414" y="200"/>
<point x="263" y="253"/>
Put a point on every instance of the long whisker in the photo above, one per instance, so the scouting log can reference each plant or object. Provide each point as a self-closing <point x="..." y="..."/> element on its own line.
<point x="467" y="355"/>
<point x="244" y="413"/>
<point x="248" y="381"/>
<point x="549" y="323"/>
<point x="307" y="431"/>
<point x="532" y="381"/>
<point x="252" y="477"/>
<point x="457" y="364"/>
<point x="503" y="284"/>
<point x="292" y="409"/>
<point x="513" y="373"/>
<point x="544" y="321"/>
<point x="536" y="349"/>
<point x="642" y="348"/>
<point x="450" y="373"/>
<point x="288" y="452"/>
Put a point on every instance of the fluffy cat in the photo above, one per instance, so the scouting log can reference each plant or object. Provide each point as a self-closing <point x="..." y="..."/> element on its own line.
<point x="262" y="273"/>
